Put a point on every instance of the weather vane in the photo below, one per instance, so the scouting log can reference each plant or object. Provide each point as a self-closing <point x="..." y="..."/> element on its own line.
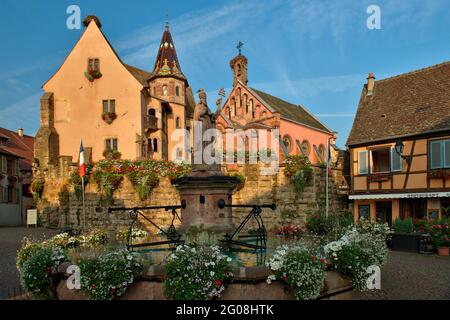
<point x="239" y="46"/>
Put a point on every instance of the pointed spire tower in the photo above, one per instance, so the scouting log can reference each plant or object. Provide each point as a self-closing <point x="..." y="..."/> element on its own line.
<point x="167" y="64"/>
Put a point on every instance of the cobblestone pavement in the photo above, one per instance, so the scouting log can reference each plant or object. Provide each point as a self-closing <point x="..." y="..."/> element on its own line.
<point x="10" y="241"/>
<point x="410" y="276"/>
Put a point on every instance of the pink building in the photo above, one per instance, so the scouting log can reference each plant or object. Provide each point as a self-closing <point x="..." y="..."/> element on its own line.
<point x="247" y="108"/>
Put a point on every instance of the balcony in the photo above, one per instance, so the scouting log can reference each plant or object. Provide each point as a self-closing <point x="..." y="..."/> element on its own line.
<point x="150" y="123"/>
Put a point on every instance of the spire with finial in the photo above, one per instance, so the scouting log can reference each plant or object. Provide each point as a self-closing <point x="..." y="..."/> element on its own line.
<point x="239" y="47"/>
<point x="166" y="63"/>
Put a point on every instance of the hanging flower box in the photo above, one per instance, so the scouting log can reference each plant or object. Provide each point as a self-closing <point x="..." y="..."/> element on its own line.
<point x="109" y="117"/>
<point x="379" y="177"/>
<point x="91" y="75"/>
<point x="439" y="174"/>
<point x="112" y="154"/>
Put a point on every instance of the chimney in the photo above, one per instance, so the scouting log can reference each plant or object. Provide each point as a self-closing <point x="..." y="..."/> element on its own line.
<point x="370" y="83"/>
<point x="20" y="132"/>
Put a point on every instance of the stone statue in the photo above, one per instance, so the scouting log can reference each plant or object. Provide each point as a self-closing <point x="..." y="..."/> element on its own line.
<point x="203" y="116"/>
<point x="202" y="112"/>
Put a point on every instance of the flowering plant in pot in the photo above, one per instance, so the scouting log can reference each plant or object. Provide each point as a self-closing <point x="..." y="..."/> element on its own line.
<point x="91" y="75"/>
<point x="440" y="233"/>
<point x="109" y="117"/>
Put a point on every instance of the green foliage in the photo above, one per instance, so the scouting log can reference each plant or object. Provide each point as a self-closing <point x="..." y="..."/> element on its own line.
<point x="294" y="163"/>
<point x="136" y="233"/>
<point x="440" y="232"/>
<point x="403" y="226"/>
<point x="144" y="175"/>
<point x="76" y="182"/>
<point x="37" y="270"/>
<point x="301" y="268"/>
<point x="196" y="273"/>
<point x="109" y="274"/>
<point x="27" y="249"/>
<point x="318" y="223"/>
<point x="299" y="169"/>
<point x="360" y="248"/>
<point x="37" y="187"/>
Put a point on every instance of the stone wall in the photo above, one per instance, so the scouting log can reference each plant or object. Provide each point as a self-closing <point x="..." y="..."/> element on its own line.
<point x="60" y="206"/>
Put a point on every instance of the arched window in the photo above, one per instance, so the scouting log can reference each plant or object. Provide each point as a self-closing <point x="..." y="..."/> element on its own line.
<point x="287" y="141"/>
<point x="177" y="91"/>
<point x="154" y="91"/>
<point x="228" y="112"/>
<point x="165" y="92"/>
<point x="155" y="145"/>
<point x="238" y="94"/>
<point x="305" y="148"/>
<point x="250" y="107"/>
<point x="322" y="151"/>
<point x="177" y="123"/>
<point x="151" y="112"/>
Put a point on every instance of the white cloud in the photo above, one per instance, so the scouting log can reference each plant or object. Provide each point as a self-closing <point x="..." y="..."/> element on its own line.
<point x="191" y="30"/>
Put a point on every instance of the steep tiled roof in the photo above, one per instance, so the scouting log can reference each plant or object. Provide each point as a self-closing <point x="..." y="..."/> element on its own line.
<point x="166" y="63"/>
<point x="22" y="147"/>
<point x="413" y="103"/>
<point x="141" y="75"/>
<point x="290" y="111"/>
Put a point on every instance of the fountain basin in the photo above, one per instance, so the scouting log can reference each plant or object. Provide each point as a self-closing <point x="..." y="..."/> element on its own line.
<point x="249" y="283"/>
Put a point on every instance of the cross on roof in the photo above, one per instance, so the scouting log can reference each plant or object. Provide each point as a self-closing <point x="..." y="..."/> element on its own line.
<point x="239" y="46"/>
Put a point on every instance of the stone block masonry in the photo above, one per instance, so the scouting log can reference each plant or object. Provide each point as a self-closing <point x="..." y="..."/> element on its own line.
<point x="60" y="206"/>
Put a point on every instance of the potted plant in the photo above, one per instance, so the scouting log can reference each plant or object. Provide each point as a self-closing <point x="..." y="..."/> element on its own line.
<point x="109" y="117"/>
<point x="440" y="233"/>
<point x="404" y="238"/>
<point x="91" y="75"/>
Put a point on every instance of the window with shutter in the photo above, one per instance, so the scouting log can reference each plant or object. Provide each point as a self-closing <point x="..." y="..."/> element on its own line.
<point x="115" y="144"/>
<point x="396" y="161"/>
<point x="447" y="154"/>
<point x="363" y="161"/>
<point x="436" y="155"/>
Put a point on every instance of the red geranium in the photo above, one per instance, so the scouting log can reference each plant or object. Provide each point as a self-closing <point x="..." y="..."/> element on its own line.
<point x="218" y="282"/>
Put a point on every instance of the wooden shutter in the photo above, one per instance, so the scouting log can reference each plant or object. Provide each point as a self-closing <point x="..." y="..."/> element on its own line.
<point x="446" y="154"/>
<point x="436" y="154"/>
<point x="363" y="162"/>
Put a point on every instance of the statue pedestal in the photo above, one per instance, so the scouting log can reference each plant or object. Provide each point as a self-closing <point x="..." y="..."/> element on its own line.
<point x="202" y="190"/>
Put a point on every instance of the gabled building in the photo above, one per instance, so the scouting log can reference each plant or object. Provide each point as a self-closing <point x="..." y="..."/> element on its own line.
<point x="16" y="156"/>
<point x="248" y="108"/>
<point x="399" y="146"/>
<point x="113" y="107"/>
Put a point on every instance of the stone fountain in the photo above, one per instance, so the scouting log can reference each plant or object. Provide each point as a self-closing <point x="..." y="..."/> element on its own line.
<point x="206" y="185"/>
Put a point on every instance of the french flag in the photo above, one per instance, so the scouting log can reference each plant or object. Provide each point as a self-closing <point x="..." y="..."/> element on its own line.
<point x="82" y="163"/>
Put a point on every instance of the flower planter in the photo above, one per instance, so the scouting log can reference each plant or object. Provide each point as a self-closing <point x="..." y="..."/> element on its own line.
<point x="109" y="117"/>
<point x="406" y="242"/>
<point x="442" y="251"/>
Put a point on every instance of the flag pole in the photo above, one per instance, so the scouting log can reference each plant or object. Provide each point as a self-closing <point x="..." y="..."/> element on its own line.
<point x="326" y="180"/>
<point x="84" y="209"/>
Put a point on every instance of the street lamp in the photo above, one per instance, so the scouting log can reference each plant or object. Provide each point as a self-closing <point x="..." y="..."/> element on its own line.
<point x="399" y="146"/>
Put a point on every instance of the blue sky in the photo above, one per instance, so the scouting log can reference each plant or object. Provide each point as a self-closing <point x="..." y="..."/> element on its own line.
<point x="311" y="52"/>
